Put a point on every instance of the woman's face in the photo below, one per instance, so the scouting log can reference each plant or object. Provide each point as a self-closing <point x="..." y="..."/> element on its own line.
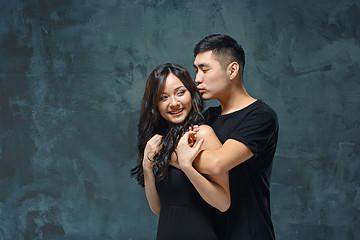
<point x="175" y="100"/>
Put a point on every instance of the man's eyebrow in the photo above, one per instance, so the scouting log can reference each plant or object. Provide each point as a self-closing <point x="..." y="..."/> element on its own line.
<point x="201" y="65"/>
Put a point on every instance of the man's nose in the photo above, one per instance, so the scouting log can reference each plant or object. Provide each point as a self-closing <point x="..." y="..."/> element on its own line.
<point x="199" y="78"/>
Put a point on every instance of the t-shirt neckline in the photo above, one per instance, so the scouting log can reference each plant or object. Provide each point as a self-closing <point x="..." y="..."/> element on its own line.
<point x="242" y="109"/>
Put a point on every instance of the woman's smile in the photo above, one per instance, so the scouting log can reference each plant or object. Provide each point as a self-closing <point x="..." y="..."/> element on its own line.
<point x="177" y="112"/>
<point x="175" y="100"/>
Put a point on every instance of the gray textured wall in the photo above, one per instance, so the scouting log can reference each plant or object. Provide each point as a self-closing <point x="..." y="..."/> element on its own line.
<point x="71" y="79"/>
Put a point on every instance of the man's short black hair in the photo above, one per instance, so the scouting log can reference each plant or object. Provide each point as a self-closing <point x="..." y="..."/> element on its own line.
<point x="224" y="48"/>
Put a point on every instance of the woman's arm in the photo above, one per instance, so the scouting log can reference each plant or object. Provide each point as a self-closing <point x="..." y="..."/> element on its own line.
<point x="153" y="146"/>
<point x="214" y="189"/>
<point x="151" y="192"/>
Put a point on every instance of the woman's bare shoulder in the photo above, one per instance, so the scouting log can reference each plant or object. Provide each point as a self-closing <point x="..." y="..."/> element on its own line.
<point x="205" y="131"/>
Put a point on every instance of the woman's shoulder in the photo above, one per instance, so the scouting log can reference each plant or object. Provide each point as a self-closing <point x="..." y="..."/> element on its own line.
<point x="210" y="139"/>
<point x="205" y="131"/>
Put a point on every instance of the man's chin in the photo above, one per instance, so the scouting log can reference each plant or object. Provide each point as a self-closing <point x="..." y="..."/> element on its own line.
<point x="206" y="96"/>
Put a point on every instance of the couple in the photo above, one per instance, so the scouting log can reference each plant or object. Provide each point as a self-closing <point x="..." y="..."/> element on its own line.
<point x="207" y="174"/>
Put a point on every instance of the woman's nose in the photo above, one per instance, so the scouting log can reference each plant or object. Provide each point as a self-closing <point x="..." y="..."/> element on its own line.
<point x="173" y="102"/>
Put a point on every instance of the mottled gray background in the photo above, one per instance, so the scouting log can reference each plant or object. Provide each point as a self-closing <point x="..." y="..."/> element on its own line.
<point x="72" y="74"/>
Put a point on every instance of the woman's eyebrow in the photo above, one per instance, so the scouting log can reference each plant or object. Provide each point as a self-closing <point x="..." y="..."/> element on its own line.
<point x="179" y="87"/>
<point x="174" y="89"/>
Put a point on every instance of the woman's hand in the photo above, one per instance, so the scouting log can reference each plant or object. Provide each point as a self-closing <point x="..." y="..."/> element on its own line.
<point x="153" y="147"/>
<point x="186" y="154"/>
<point x="191" y="140"/>
<point x="192" y="137"/>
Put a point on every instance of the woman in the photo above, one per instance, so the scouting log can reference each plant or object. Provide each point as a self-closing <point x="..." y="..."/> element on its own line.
<point x="170" y="105"/>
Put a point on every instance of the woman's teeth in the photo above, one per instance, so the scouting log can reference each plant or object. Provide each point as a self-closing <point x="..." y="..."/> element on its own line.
<point x="176" y="112"/>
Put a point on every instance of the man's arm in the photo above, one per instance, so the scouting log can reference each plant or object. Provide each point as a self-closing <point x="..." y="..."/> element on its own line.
<point x="231" y="154"/>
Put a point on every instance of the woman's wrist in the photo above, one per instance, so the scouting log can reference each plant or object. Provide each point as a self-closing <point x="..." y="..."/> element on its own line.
<point x="148" y="175"/>
<point x="148" y="167"/>
<point x="186" y="167"/>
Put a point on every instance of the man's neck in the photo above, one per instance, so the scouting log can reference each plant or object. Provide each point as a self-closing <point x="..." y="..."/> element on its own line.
<point x="236" y="99"/>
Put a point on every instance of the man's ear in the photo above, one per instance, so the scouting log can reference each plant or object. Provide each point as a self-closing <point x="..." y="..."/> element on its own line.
<point x="233" y="70"/>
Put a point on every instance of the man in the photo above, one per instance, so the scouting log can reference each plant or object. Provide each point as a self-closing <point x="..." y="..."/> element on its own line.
<point x="248" y="130"/>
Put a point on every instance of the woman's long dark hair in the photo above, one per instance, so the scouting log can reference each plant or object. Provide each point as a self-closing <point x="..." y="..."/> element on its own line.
<point x="151" y="122"/>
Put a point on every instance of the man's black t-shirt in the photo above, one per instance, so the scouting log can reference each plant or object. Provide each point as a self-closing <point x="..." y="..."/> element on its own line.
<point x="248" y="217"/>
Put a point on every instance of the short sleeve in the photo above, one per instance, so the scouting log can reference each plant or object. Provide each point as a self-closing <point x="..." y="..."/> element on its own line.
<point x="258" y="131"/>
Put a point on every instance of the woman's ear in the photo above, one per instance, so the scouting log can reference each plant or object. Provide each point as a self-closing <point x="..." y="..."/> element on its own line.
<point x="233" y="70"/>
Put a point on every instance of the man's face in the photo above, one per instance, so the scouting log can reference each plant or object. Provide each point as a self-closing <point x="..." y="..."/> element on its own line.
<point x="211" y="77"/>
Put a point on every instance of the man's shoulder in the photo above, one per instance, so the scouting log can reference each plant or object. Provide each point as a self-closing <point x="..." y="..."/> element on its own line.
<point x="257" y="109"/>
<point x="257" y="113"/>
<point x="262" y="108"/>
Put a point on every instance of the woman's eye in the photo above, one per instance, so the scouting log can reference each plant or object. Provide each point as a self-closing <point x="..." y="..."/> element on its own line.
<point x="163" y="98"/>
<point x="181" y="92"/>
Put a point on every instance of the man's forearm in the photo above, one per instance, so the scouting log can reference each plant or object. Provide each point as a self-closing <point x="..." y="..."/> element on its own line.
<point x="219" y="161"/>
<point x="208" y="163"/>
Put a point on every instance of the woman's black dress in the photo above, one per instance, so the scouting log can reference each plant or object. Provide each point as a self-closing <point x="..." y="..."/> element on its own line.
<point x="184" y="214"/>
